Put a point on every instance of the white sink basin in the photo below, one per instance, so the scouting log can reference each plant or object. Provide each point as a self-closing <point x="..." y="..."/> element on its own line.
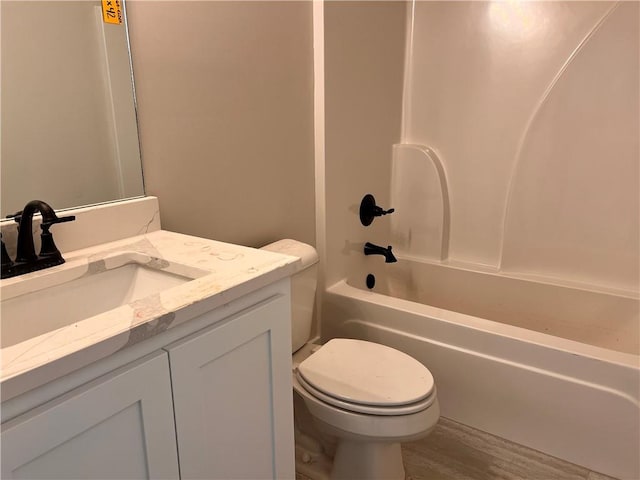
<point x="56" y="299"/>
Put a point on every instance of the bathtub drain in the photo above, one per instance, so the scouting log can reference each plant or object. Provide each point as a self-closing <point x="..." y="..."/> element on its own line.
<point x="371" y="281"/>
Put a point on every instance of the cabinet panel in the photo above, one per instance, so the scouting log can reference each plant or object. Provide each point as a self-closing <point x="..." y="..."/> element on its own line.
<point x="232" y="396"/>
<point x="119" y="426"/>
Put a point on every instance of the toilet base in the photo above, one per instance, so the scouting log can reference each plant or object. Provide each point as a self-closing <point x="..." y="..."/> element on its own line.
<point x="367" y="461"/>
<point x="313" y="465"/>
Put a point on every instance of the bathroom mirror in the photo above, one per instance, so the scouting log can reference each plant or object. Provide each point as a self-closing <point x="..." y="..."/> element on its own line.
<point x="69" y="132"/>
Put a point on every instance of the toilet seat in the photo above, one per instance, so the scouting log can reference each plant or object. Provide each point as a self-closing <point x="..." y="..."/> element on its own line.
<point x="366" y="409"/>
<point x="367" y="377"/>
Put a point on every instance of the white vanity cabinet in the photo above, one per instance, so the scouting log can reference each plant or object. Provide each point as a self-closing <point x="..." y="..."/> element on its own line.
<point x="208" y="399"/>
<point x="232" y="396"/>
<point x="119" y="426"/>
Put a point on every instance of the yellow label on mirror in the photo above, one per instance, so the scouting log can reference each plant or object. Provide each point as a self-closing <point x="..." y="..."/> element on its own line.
<point x="112" y="11"/>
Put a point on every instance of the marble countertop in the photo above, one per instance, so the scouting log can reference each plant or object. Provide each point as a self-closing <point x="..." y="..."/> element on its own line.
<point x="224" y="272"/>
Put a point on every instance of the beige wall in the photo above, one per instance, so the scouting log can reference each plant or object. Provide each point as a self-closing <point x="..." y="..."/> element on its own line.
<point x="364" y="57"/>
<point x="225" y="105"/>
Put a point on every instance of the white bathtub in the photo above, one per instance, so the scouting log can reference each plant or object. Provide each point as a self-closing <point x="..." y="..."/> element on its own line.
<point x="550" y="367"/>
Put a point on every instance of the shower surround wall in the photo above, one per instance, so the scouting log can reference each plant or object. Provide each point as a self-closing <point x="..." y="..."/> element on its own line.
<point x="532" y="108"/>
<point x="364" y="45"/>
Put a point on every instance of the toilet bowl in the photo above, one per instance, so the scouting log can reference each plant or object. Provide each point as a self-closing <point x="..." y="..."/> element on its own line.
<point x="368" y="397"/>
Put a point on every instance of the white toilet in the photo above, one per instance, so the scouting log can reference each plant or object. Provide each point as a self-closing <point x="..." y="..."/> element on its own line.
<point x="367" y="396"/>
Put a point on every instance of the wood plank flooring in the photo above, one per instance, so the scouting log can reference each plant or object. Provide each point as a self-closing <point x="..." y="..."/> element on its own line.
<point x="456" y="452"/>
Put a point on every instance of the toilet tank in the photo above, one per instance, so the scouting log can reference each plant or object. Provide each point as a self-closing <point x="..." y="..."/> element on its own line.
<point x="303" y="288"/>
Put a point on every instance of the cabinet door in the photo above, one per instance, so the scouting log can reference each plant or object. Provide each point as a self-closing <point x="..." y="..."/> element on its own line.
<point x="119" y="426"/>
<point x="233" y="397"/>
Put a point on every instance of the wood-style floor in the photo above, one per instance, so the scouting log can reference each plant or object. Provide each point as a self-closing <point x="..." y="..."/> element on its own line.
<point x="456" y="452"/>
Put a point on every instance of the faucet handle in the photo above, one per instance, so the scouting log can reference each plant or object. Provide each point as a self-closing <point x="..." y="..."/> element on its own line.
<point x="53" y="221"/>
<point x="369" y="210"/>
<point x="16" y="216"/>
<point x="48" y="247"/>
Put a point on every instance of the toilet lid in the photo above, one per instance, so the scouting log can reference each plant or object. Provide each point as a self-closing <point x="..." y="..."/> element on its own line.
<point x="366" y="373"/>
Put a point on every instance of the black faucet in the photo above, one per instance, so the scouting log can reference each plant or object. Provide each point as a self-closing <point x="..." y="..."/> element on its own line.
<point x="26" y="259"/>
<point x="371" y="249"/>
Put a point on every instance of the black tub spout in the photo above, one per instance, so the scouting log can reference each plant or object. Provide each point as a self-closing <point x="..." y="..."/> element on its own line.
<point x="372" y="249"/>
